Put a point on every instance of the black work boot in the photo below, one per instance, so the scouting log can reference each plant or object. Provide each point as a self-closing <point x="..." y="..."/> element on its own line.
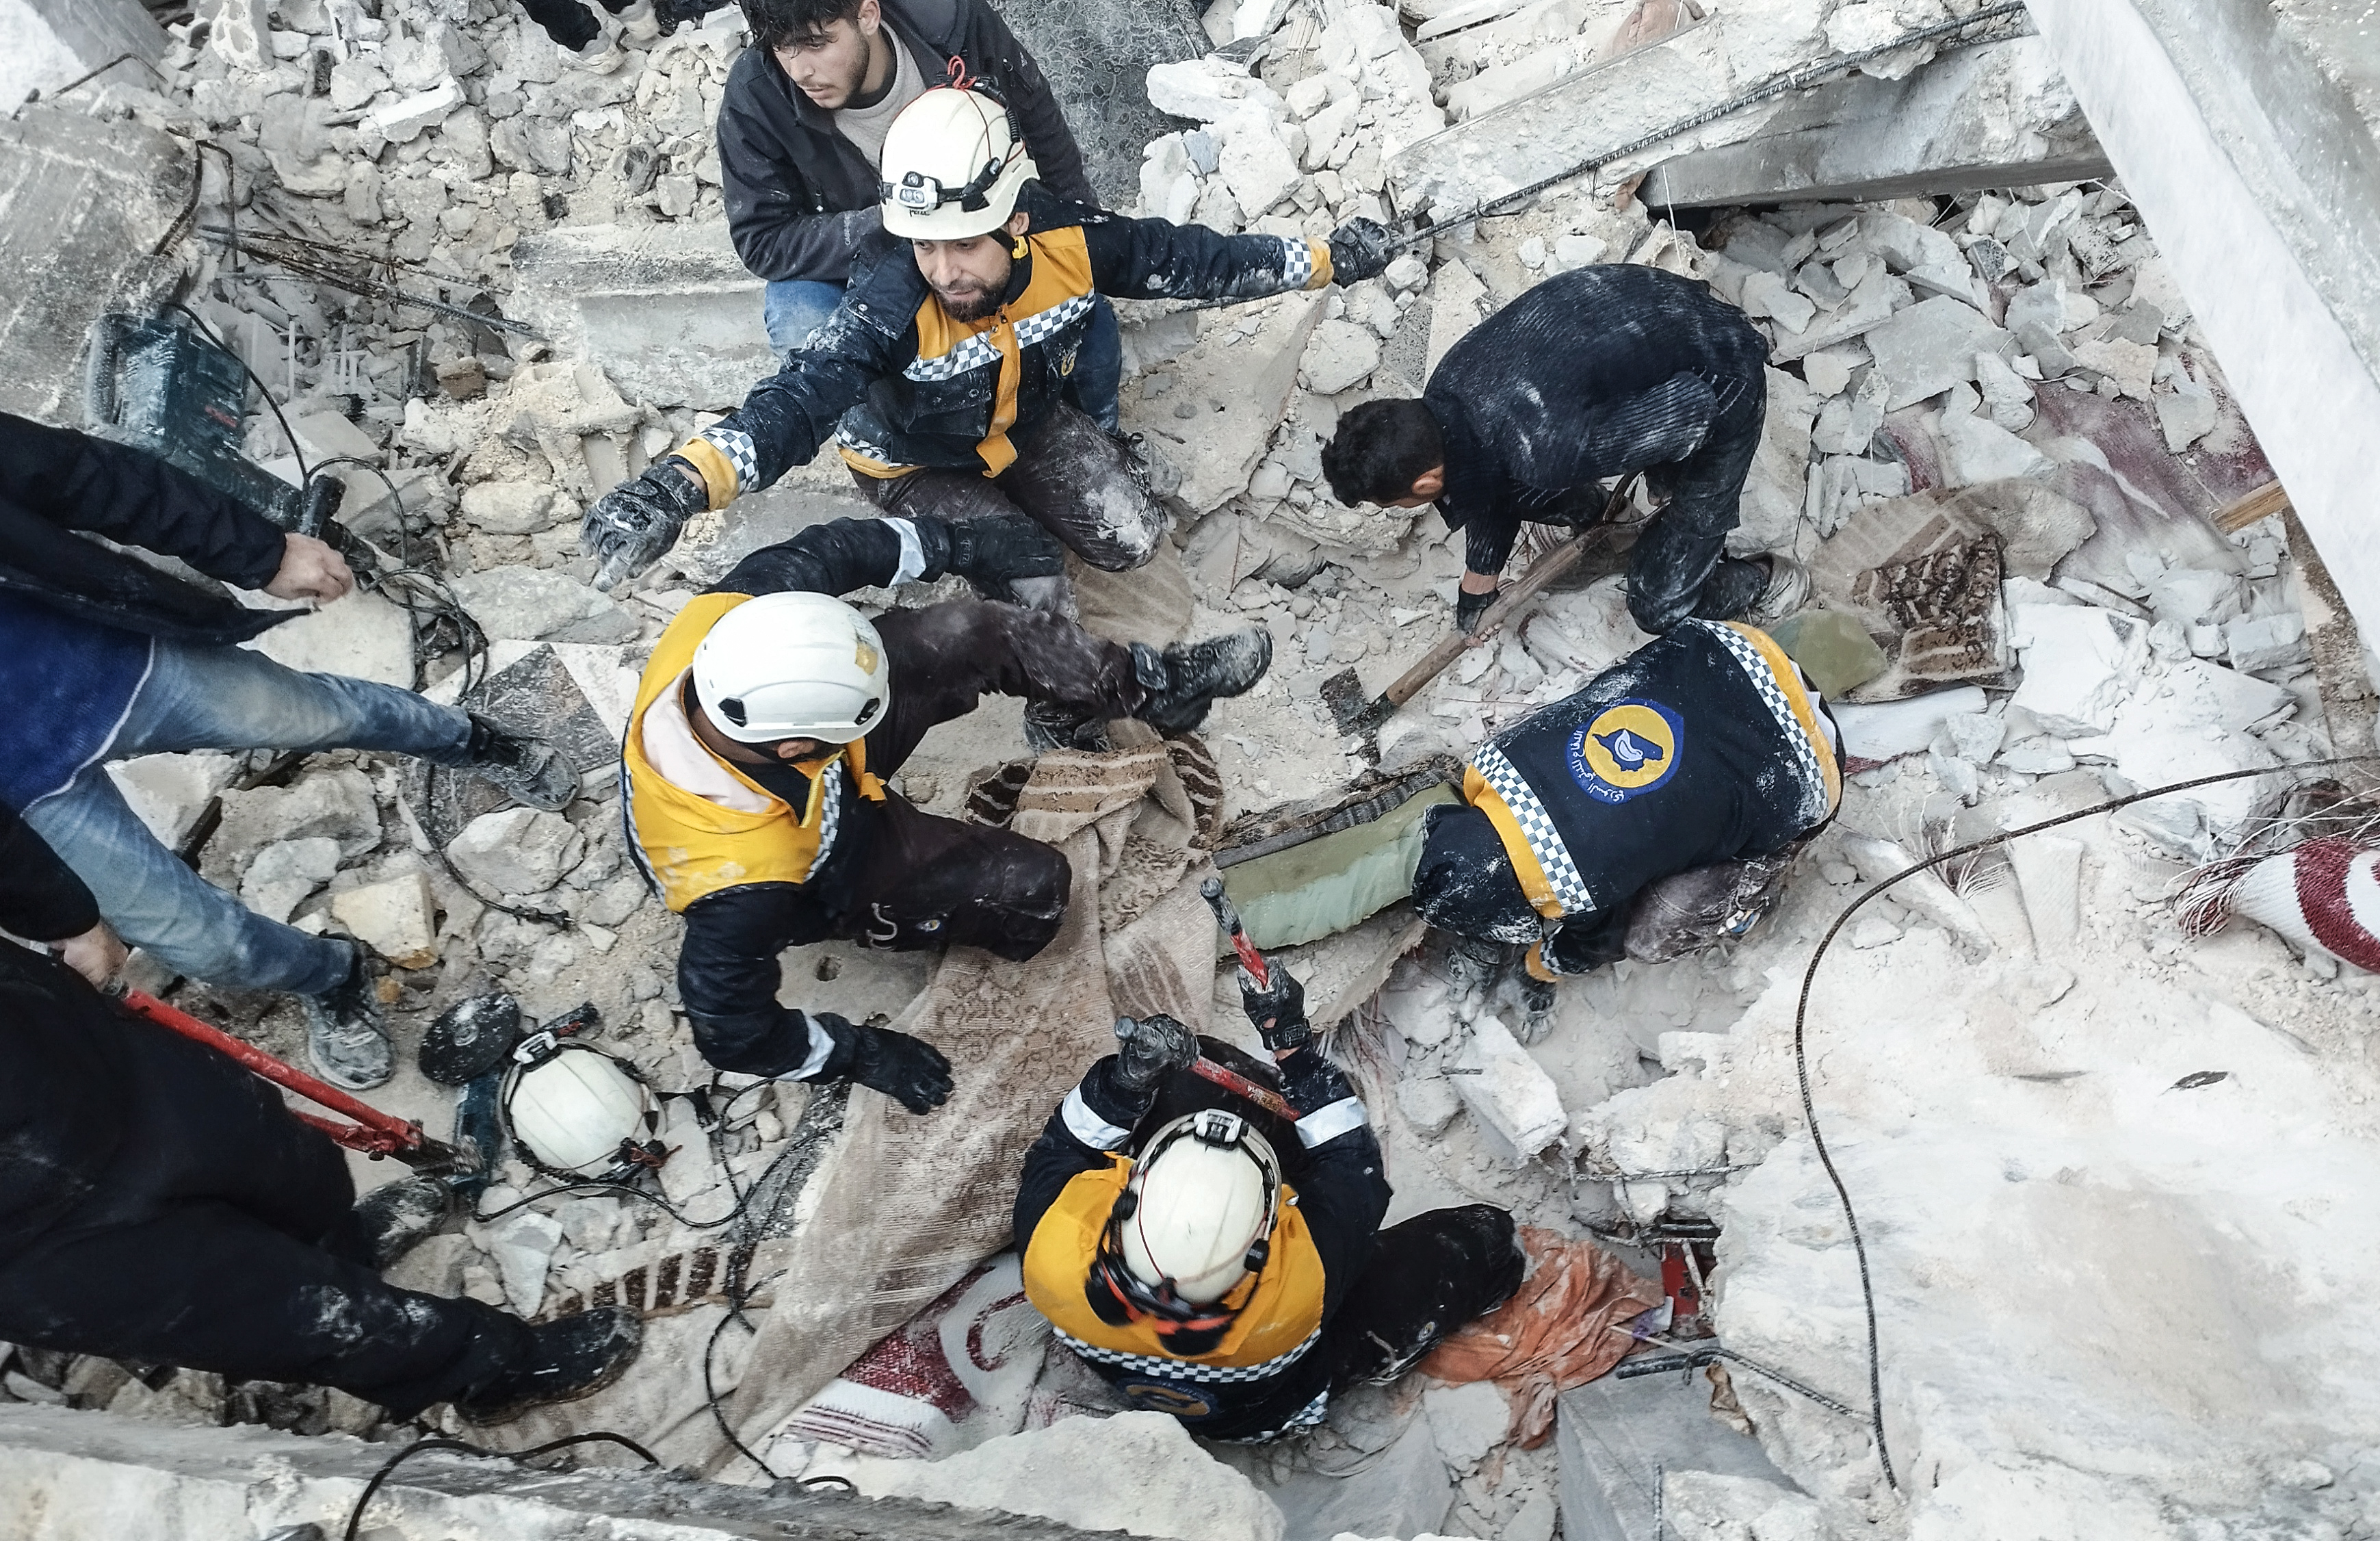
<point x="574" y="1357"/>
<point x="1050" y="726"/>
<point x="1185" y="679"/>
<point x="347" y="1033"/>
<point x="531" y="770"/>
<point x="393" y="1217"/>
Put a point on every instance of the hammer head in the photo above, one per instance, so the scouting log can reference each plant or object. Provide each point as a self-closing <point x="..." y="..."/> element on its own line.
<point x="1350" y="709"/>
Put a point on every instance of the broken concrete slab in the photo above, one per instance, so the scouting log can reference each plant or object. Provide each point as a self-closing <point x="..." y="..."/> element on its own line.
<point x="517" y="851"/>
<point x="52" y="43"/>
<point x="540" y="604"/>
<point x="1931" y="345"/>
<point x="248" y="1480"/>
<point x="1996" y="116"/>
<point x="365" y="636"/>
<point x="1616" y="1437"/>
<point x="2079" y="663"/>
<point x="669" y="312"/>
<point x="397" y="919"/>
<point x="1507" y="1091"/>
<point x="1217" y="445"/>
<point x="87" y="203"/>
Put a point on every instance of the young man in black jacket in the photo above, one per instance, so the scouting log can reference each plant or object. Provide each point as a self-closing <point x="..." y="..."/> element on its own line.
<point x="159" y="1203"/>
<point x="801" y="136"/>
<point x="1213" y="1261"/>
<point x="103" y="656"/>
<point x="1589" y="375"/>
<point x="943" y="378"/>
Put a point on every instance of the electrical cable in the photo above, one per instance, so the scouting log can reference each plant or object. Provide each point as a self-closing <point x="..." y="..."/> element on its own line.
<point x="388" y="1467"/>
<point x="1801" y="1052"/>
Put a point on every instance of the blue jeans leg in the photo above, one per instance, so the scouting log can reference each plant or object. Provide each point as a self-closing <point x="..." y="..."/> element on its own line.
<point x="233" y="699"/>
<point x="1099" y="368"/>
<point x="793" y="307"/>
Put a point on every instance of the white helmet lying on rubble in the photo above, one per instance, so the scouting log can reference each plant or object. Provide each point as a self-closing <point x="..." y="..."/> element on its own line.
<point x="1205" y="1191"/>
<point x="792" y="666"/>
<point x="952" y="167"/>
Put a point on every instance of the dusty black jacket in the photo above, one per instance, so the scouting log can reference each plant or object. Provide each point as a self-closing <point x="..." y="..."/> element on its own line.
<point x="1591" y="375"/>
<point x="61" y="1056"/>
<point x="727" y="968"/>
<point x="916" y="400"/>
<point x="801" y="198"/>
<point x="55" y="481"/>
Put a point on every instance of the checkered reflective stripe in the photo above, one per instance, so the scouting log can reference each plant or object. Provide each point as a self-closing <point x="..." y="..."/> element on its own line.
<point x="1296" y="263"/>
<point x="974" y="353"/>
<point x="736" y="444"/>
<point x="1309" y="1415"/>
<point x="1034" y="328"/>
<point x="858" y="446"/>
<point x="1160" y="1368"/>
<point x="1764" y="680"/>
<point x="1538" y="829"/>
<point x="830" y="812"/>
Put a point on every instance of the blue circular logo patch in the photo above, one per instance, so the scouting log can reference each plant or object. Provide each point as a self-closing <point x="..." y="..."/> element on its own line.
<point x="1627" y="750"/>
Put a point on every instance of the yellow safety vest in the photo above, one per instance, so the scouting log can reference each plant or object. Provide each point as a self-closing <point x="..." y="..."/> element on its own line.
<point x="694" y="847"/>
<point x="1060" y="290"/>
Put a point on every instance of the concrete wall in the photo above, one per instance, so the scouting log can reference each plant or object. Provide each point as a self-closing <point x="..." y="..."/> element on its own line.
<point x="2244" y="130"/>
<point x="49" y="43"/>
<point x="94" y="1476"/>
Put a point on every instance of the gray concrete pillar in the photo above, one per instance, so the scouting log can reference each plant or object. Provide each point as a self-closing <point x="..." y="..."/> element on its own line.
<point x="49" y="43"/>
<point x="2244" y="132"/>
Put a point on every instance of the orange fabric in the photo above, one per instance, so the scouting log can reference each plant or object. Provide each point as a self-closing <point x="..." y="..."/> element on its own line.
<point x="997" y="452"/>
<point x="1555" y="1333"/>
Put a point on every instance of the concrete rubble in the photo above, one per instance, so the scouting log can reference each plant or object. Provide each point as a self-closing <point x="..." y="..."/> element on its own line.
<point x="1996" y="434"/>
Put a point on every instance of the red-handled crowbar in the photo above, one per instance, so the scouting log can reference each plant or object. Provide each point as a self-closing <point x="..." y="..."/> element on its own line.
<point x="1252" y="967"/>
<point x="373" y="1133"/>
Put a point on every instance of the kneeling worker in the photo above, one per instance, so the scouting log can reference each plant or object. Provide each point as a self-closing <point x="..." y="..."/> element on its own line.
<point x="947" y="366"/>
<point x="1233" y="1278"/>
<point x="1701" y="747"/>
<point x="769" y="716"/>
<point x="1590" y="375"/>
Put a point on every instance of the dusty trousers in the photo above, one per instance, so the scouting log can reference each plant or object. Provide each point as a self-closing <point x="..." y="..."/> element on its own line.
<point x="219" y="1237"/>
<point x="1071" y="477"/>
<point x="904" y="878"/>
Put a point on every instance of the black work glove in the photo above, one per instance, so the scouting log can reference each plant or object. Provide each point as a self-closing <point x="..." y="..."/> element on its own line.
<point x="909" y="1070"/>
<point x="629" y="527"/>
<point x="1469" y="607"/>
<point x="1278" y="1011"/>
<point x="992" y="550"/>
<point x="1150" y="1046"/>
<point x="1359" y="249"/>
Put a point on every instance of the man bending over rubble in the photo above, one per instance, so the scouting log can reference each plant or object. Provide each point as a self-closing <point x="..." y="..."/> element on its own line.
<point x="769" y="716"/>
<point x="948" y="372"/>
<point x="159" y="1203"/>
<point x="1588" y="376"/>
<point x="1230" y="1270"/>
<point x="801" y="136"/>
<point x="103" y="656"/>
<point x="1703" y="748"/>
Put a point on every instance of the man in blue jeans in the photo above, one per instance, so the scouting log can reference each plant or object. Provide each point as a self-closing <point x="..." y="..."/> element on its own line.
<point x="801" y="141"/>
<point x="103" y="656"/>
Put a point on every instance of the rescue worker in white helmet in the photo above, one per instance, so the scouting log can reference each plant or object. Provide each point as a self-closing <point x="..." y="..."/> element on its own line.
<point x="941" y="378"/>
<point x="770" y="715"/>
<point x="1213" y="1261"/>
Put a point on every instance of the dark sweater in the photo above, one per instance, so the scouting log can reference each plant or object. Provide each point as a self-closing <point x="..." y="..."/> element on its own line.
<point x="802" y="199"/>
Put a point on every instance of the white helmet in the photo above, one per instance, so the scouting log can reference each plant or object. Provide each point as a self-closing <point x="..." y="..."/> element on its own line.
<point x="792" y="666"/>
<point x="1205" y="1193"/>
<point x="573" y="1108"/>
<point x="953" y="166"/>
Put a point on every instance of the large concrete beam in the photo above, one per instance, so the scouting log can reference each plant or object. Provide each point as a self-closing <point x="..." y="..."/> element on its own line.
<point x="84" y="205"/>
<point x="94" y="1476"/>
<point x="669" y="312"/>
<point x="2245" y="133"/>
<point x="1998" y="114"/>
<point x="51" y="42"/>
